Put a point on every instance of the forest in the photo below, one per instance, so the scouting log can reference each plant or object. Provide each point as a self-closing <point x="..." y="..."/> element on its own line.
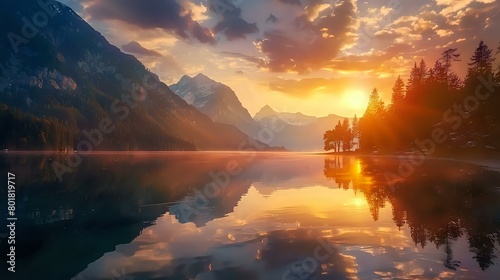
<point x="435" y="111"/>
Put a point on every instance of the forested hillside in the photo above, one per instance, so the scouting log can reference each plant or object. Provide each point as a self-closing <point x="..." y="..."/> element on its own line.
<point x="61" y="81"/>
<point x="436" y="110"/>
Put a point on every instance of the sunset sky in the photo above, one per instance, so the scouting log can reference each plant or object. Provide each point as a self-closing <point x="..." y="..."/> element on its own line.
<point x="314" y="56"/>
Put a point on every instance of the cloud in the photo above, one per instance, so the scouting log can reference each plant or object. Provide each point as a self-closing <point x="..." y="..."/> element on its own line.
<point x="308" y="87"/>
<point x="452" y="6"/>
<point x="291" y="2"/>
<point x="167" y="15"/>
<point x="272" y="18"/>
<point x="314" y="37"/>
<point x="387" y="35"/>
<point x="336" y="88"/>
<point x="166" y="67"/>
<point x="309" y="45"/>
<point x="381" y="61"/>
<point x="444" y="33"/>
<point x="253" y="59"/>
<point x="136" y="48"/>
<point x="235" y="27"/>
<point x="73" y="4"/>
<point x="472" y="19"/>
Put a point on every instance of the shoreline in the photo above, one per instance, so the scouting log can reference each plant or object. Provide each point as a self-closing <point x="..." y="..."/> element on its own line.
<point x="487" y="161"/>
<point x="490" y="162"/>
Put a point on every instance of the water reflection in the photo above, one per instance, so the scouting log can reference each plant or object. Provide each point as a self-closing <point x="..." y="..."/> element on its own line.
<point x="440" y="202"/>
<point x="124" y="216"/>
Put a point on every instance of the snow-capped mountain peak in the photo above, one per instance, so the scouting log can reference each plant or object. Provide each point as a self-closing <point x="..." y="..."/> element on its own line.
<point x="195" y="91"/>
<point x="204" y="81"/>
<point x="216" y="100"/>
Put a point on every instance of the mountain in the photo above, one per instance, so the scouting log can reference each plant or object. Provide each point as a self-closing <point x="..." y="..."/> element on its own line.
<point x="217" y="101"/>
<point x="296" y="131"/>
<point x="63" y="86"/>
<point x="266" y="116"/>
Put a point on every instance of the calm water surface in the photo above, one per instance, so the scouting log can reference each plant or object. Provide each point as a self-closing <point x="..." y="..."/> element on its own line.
<point x="244" y="216"/>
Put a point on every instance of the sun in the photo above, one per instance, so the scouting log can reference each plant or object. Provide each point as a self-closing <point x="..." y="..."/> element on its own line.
<point x="359" y="202"/>
<point x="356" y="100"/>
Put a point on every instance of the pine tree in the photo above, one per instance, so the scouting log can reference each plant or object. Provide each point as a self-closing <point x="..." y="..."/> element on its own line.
<point x="346" y="135"/>
<point x="372" y="119"/>
<point x="418" y="77"/>
<point x="375" y="106"/>
<point x="398" y="93"/>
<point x="355" y="130"/>
<point x="422" y="71"/>
<point x="413" y="80"/>
<point x="481" y="62"/>
<point x="447" y="58"/>
<point x="439" y="73"/>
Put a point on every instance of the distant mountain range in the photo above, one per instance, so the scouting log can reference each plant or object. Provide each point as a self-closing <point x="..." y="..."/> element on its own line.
<point x="300" y="132"/>
<point x="217" y="101"/>
<point x="64" y="84"/>
<point x="220" y="103"/>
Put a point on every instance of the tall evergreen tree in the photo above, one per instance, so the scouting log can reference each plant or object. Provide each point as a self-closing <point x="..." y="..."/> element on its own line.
<point x="422" y="71"/>
<point x="398" y="93"/>
<point x="416" y="81"/>
<point x="447" y="58"/>
<point x="346" y="135"/>
<point x="481" y="62"/>
<point x="372" y="119"/>
<point x="413" y="80"/>
<point x="355" y="130"/>
<point x="375" y="106"/>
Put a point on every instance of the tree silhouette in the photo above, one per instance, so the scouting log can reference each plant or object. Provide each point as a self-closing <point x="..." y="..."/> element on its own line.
<point x="424" y="104"/>
<point x="355" y="131"/>
<point x="371" y="121"/>
<point x="398" y="93"/>
<point x="346" y="135"/>
<point x="436" y="208"/>
<point x="447" y="58"/>
<point x="340" y="138"/>
<point x="481" y="61"/>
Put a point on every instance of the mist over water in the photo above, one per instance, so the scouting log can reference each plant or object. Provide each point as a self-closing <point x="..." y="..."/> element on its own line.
<point x="253" y="216"/>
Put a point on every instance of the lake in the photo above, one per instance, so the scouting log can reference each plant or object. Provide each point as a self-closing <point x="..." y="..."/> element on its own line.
<point x="279" y="216"/>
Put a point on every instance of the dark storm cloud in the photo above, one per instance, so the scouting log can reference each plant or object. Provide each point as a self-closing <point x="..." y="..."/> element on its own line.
<point x="168" y="15"/>
<point x="231" y="24"/>
<point x="291" y="2"/>
<point x="136" y="48"/>
<point x="309" y="45"/>
<point x="272" y="18"/>
<point x="235" y="27"/>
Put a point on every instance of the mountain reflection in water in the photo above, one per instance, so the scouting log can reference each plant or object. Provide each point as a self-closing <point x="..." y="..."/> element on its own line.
<point x="147" y="216"/>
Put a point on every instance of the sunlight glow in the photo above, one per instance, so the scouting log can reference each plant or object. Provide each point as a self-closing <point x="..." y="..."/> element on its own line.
<point x="358" y="167"/>
<point x="359" y="202"/>
<point x="355" y="99"/>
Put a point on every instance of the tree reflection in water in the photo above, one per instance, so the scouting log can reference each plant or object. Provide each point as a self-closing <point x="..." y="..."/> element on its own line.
<point x="440" y="202"/>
